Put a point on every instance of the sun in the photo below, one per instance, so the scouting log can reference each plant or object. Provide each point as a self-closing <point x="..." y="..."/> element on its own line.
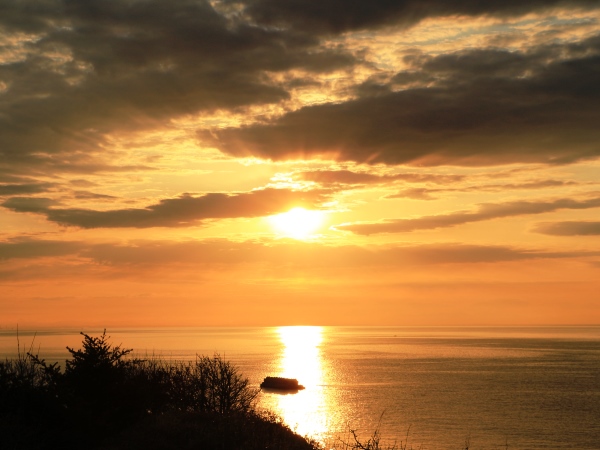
<point x="298" y="223"/>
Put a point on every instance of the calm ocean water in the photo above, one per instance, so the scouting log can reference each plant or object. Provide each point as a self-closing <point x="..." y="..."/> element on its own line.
<point x="516" y="388"/>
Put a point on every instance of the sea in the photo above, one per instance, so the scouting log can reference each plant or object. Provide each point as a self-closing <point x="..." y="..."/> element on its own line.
<point x="421" y="387"/>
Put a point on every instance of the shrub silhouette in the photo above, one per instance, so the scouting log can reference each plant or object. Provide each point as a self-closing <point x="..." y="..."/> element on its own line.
<point x="209" y="384"/>
<point x="103" y="391"/>
<point x="98" y="361"/>
<point x="98" y="388"/>
<point x="29" y="410"/>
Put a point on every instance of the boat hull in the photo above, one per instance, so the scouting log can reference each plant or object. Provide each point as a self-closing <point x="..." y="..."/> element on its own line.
<point x="280" y="384"/>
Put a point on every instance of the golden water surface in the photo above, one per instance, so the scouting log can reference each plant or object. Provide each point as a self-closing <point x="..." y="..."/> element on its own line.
<point x="308" y="410"/>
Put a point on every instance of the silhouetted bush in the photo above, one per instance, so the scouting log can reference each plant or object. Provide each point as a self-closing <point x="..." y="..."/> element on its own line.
<point x="106" y="399"/>
<point x="206" y="384"/>
<point x="29" y="409"/>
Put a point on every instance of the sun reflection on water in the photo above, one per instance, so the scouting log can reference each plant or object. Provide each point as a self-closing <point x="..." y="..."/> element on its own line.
<point x="306" y="411"/>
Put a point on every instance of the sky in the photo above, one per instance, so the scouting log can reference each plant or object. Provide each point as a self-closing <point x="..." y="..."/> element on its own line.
<point x="299" y="162"/>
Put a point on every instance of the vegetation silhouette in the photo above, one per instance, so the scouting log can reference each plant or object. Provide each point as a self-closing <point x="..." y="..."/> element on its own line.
<point x="107" y="400"/>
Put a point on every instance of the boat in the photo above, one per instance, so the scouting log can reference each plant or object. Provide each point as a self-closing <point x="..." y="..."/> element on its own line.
<point x="281" y="384"/>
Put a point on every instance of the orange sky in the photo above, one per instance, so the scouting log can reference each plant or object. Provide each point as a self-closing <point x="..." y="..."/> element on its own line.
<point x="446" y="159"/>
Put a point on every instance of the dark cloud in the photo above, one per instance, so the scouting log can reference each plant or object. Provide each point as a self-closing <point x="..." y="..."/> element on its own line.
<point x="28" y="188"/>
<point x="29" y="204"/>
<point x="486" y="211"/>
<point x="570" y="228"/>
<point x="100" y="67"/>
<point x="8" y="177"/>
<point x="80" y="72"/>
<point x="176" y="212"/>
<point x="487" y="106"/>
<point x="338" y="16"/>
<point x="92" y="195"/>
<point x="28" y="248"/>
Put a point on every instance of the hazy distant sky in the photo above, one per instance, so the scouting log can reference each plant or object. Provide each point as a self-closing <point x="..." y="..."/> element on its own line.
<point x="451" y="149"/>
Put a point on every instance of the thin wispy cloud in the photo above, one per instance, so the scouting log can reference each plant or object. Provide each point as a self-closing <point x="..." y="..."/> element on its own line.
<point x="569" y="228"/>
<point x="327" y="177"/>
<point x="487" y="211"/>
<point x="306" y="256"/>
<point x="432" y="193"/>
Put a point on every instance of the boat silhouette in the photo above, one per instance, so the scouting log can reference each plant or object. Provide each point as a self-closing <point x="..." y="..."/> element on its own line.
<point x="281" y="384"/>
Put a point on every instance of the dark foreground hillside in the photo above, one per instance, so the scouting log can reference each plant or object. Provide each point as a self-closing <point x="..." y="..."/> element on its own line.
<point x="187" y="431"/>
<point x="103" y="399"/>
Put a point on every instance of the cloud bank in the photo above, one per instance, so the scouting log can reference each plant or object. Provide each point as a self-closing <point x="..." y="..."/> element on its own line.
<point x="481" y="107"/>
<point x="185" y="210"/>
<point x="74" y="74"/>
<point x="339" y="16"/>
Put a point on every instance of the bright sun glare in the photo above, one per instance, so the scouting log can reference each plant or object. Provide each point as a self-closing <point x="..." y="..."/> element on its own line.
<point x="298" y="223"/>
